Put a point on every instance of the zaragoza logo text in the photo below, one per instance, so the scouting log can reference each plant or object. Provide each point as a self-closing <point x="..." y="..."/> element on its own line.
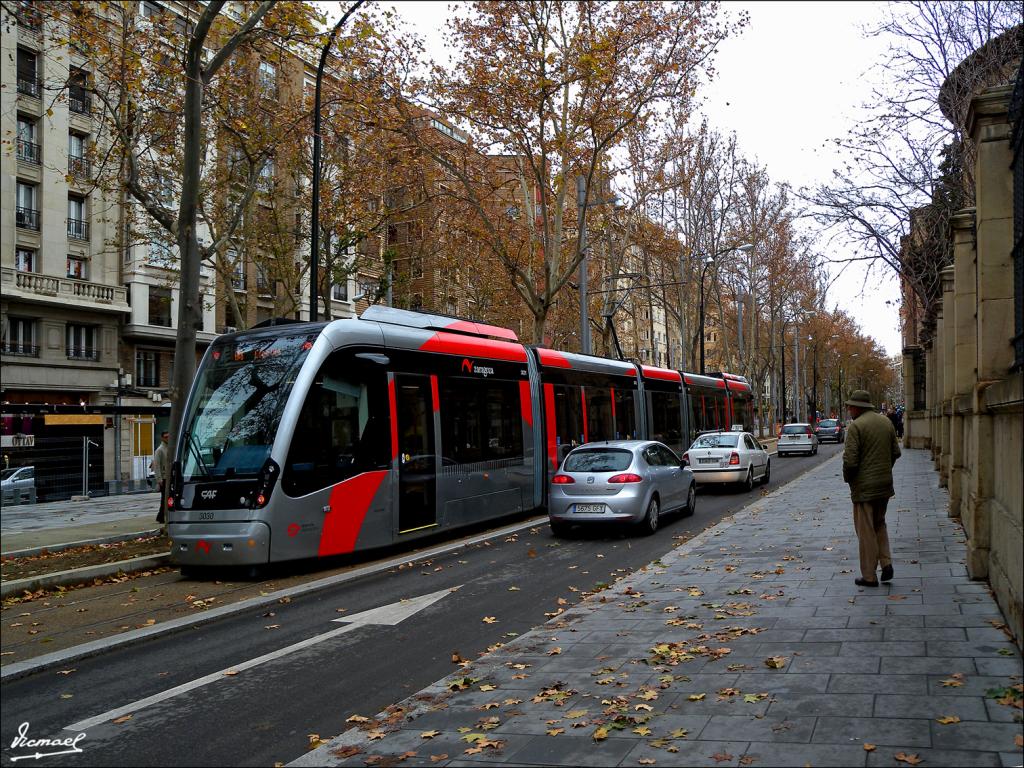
<point x="469" y="367"/>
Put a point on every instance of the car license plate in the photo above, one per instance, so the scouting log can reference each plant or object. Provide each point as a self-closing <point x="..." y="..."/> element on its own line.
<point x="794" y="437"/>
<point x="589" y="509"/>
<point x="709" y="461"/>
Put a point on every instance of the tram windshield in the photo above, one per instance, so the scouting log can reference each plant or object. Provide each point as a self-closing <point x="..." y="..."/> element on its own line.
<point x="240" y="396"/>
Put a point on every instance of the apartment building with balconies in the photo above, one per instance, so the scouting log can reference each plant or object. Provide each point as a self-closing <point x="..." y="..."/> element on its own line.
<point x="63" y="297"/>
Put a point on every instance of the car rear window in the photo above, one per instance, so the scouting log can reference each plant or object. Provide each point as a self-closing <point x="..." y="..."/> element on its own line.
<point x="827" y="423"/>
<point x="598" y="460"/>
<point x="794" y="429"/>
<point x="716" y="441"/>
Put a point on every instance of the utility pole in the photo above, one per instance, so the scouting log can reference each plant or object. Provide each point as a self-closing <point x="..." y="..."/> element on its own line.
<point x="581" y="207"/>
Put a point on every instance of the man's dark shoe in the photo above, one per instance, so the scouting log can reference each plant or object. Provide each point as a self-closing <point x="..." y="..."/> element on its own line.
<point x="886" y="573"/>
<point x="865" y="583"/>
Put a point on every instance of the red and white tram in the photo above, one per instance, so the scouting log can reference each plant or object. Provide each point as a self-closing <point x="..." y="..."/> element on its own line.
<point x="313" y="439"/>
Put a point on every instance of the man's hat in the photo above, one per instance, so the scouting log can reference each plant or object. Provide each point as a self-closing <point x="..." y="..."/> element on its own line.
<point x="860" y="398"/>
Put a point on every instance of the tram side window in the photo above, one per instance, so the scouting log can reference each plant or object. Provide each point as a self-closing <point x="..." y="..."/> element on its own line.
<point x="599" y="414"/>
<point x="343" y="427"/>
<point x="480" y="421"/>
<point x="625" y="414"/>
<point x="667" y="419"/>
<point x="568" y="418"/>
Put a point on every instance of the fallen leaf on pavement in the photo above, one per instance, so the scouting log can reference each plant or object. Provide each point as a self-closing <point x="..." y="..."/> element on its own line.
<point x="438" y="758"/>
<point x="775" y="662"/>
<point x="230" y="673"/>
<point x="947" y="719"/>
<point x="429" y="734"/>
<point x="555" y="731"/>
<point x="647" y="761"/>
<point x="721" y="757"/>
<point x="358" y="719"/>
<point x="375" y="735"/>
<point x="1018" y="740"/>
<point x="600" y="734"/>
<point x="488" y="687"/>
<point x="488" y="619"/>
<point x="903" y="757"/>
<point x="122" y="719"/>
<point x="869" y="747"/>
<point x="697" y="696"/>
<point x="66" y="671"/>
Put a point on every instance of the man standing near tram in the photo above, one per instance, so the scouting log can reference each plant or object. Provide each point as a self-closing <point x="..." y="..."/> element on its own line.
<point x="871" y="450"/>
<point x="161" y="466"/>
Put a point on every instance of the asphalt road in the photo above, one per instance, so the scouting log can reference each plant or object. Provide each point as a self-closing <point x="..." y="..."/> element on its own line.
<point x="266" y="713"/>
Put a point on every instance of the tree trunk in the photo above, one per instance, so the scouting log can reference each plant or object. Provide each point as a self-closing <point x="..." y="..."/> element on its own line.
<point x="190" y="311"/>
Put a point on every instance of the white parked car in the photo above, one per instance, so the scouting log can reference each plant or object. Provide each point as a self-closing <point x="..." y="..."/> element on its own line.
<point x="729" y="458"/>
<point x="797" y="438"/>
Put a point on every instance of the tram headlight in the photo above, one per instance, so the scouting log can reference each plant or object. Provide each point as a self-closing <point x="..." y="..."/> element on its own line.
<point x="267" y="478"/>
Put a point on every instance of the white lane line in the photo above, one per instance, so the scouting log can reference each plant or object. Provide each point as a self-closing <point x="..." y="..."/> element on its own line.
<point x="170" y="693"/>
<point x="390" y="615"/>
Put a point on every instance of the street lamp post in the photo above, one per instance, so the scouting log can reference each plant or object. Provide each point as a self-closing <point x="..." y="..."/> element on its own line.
<point x="314" y="245"/>
<point x="708" y="262"/>
<point x="581" y="223"/>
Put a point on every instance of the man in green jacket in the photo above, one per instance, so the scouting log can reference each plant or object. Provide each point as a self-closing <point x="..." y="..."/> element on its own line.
<point x="871" y="450"/>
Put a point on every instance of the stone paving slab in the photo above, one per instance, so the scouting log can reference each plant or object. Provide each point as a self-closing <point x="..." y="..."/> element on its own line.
<point x="676" y="664"/>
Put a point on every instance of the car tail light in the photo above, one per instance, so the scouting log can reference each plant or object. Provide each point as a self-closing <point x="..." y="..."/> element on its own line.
<point x="562" y="480"/>
<point x="809" y="432"/>
<point x="170" y="502"/>
<point x="626" y="477"/>
<point x="686" y="458"/>
<point x="734" y="459"/>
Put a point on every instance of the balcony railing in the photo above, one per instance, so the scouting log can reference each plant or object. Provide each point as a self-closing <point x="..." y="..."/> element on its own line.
<point x="29" y="18"/>
<point x="68" y="290"/>
<point x="78" y="229"/>
<point x="79" y="101"/>
<point x="17" y="349"/>
<point x="83" y="353"/>
<point x="26" y="218"/>
<point x="29" y="152"/>
<point x="78" y="166"/>
<point x="28" y="85"/>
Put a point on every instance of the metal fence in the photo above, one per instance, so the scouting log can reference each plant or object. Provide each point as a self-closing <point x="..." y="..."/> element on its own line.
<point x="54" y="453"/>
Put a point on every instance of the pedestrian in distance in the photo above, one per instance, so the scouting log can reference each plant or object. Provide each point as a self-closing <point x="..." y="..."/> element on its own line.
<point x="161" y="466"/>
<point x="871" y="450"/>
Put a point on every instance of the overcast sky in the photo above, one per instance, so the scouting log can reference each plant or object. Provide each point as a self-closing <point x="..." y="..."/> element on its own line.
<point x="792" y="80"/>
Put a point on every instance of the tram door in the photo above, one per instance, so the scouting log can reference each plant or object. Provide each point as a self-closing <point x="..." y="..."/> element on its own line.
<point x="417" y="467"/>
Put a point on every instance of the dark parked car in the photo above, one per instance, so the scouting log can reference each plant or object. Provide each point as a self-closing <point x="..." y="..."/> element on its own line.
<point x="831" y="429"/>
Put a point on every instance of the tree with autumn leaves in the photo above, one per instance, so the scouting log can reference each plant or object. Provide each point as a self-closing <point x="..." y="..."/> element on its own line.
<point x="554" y="90"/>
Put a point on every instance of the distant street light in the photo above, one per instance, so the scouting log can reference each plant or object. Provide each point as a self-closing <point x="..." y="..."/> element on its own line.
<point x="314" y="245"/>
<point x="581" y="208"/>
<point x="708" y="262"/>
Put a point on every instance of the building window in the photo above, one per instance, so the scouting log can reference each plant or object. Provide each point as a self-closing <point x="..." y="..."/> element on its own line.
<point x="78" y="225"/>
<point x="160" y="306"/>
<point x="79" y="100"/>
<point x="268" y="78"/>
<point x="416" y="302"/>
<point x="26" y="213"/>
<point x="265" y="182"/>
<point x="339" y="291"/>
<point x="263" y="281"/>
<point x="920" y="382"/>
<point x="77" y="164"/>
<point x="21" y="337"/>
<point x="29" y="17"/>
<point x="416" y="266"/>
<point x="147" y="368"/>
<point x="29" y="150"/>
<point x="81" y="342"/>
<point x="78" y="268"/>
<point x="25" y="260"/>
<point x="237" y="270"/>
<point x="28" y="73"/>
<point x="161" y="251"/>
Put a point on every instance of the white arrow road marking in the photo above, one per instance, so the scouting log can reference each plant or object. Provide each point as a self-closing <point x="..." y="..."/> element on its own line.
<point x="389" y="615"/>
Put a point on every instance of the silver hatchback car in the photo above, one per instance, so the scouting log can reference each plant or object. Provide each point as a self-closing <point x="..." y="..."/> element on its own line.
<point x="797" y="438"/>
<point x="630" y="481"/>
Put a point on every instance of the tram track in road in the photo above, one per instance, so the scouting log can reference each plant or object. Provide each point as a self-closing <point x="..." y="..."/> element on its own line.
<point x="265" y="713"/>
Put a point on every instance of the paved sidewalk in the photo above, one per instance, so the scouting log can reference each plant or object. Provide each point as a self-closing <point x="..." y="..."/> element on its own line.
<point x="750" y="645"/>
<point x="26" y="526"/>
